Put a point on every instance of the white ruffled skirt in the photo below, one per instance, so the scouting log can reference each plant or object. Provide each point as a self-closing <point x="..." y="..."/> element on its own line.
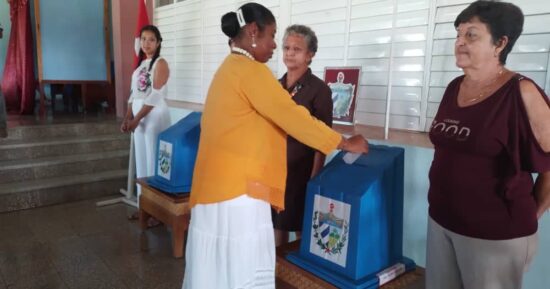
<point x="230" y="245"/>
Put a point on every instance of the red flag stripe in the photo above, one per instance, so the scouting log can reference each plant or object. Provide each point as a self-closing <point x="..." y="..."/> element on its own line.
<point x="142" y="20"/>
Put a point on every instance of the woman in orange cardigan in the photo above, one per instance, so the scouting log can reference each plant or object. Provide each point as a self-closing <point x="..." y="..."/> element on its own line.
<point x="241" y="163"/>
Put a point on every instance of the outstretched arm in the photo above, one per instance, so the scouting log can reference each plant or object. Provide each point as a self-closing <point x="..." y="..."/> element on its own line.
<point x="274" y="103"/>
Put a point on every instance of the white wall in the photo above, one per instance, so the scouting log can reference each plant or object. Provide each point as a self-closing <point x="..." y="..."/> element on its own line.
<point x="413" y="37"/>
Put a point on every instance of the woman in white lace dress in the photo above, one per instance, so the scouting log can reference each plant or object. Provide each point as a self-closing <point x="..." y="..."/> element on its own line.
<point x="147" y="113"/>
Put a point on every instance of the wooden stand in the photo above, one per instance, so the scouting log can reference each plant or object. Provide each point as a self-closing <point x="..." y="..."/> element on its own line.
<point x="172" y="210"/>
<point x="291" y="276"/>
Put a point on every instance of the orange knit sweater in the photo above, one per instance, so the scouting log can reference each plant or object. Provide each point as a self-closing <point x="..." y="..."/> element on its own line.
<point x="244" y="126"/>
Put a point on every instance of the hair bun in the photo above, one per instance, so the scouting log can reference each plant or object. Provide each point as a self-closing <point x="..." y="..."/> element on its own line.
<point x="230" y="24"/>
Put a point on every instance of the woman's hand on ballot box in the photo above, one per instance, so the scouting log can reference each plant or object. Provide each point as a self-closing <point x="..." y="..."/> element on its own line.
<point x="354" y="144"/>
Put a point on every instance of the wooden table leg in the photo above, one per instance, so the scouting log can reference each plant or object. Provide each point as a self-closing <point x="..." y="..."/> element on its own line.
<point x="143" y="217"/>
<point x="179" y="228"/>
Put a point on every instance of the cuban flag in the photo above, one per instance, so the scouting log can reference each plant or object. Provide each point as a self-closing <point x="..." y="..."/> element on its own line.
<point x="142" y="20"/>
<point x="325" y="232"/>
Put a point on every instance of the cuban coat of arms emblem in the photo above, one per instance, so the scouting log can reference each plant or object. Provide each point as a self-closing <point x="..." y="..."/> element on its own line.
<point x="165" y="159"/>
<point x="329" y="229"/>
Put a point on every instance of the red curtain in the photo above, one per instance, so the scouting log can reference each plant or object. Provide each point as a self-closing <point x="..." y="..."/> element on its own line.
<point x="18" y="82"/>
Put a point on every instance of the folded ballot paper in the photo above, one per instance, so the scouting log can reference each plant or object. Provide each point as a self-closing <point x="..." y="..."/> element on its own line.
<point x="350" y="158"/>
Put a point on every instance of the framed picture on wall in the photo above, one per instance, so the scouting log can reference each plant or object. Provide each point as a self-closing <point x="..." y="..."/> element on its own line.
<point x="343" y="82"/>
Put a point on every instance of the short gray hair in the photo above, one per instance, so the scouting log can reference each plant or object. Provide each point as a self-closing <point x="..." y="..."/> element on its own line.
<point x="304" y="31"/>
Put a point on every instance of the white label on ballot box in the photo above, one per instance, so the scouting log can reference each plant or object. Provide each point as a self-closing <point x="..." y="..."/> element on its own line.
<point x="329" y="230"/>
<point x="390" y="273"/>
<point x="165" y="160"/>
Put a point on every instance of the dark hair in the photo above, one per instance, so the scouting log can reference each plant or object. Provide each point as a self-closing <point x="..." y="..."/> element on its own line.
<point x="502" y="19"/>
<point x="141" y="55"/>
<point x="252" y="12"/>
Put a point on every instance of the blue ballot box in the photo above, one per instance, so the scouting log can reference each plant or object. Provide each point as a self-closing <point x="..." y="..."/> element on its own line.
<point x="352" y="234"/>
<point x="176" y="154"/>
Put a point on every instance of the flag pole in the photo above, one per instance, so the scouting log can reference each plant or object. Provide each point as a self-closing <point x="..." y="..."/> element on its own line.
<point x="128" y="193"/>
<point x="129" y="197"/>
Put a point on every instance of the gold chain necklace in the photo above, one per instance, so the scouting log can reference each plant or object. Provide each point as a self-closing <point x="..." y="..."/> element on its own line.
<point x="486" y="88"/>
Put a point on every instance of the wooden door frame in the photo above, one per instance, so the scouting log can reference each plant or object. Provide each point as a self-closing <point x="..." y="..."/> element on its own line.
<point x="42" y="82"/>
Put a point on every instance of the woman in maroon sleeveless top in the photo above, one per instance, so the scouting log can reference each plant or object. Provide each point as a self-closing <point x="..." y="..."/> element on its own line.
<point x="491" y="132"/>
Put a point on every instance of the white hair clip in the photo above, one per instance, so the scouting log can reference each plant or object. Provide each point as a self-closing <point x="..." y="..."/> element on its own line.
<point x="240" y="17"/>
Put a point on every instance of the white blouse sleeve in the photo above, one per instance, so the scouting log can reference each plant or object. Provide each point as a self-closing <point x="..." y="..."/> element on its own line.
<point x="154" y="98"/>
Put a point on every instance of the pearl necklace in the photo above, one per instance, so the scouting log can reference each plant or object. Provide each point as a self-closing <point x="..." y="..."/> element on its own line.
<point x="486" y="88"/>
<point x="243" y="52"/>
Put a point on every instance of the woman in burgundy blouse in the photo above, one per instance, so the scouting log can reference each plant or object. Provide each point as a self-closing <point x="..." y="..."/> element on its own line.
<point x="491" y="132"/>
<point x="303" y="162"/>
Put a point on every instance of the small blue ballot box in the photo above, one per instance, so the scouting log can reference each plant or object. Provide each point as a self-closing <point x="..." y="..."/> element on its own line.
<point x="176" y="154"/>
<point x="352" y="234"/>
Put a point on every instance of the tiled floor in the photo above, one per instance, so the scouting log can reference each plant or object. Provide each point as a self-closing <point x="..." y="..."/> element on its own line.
<point x="79" y="246"/>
